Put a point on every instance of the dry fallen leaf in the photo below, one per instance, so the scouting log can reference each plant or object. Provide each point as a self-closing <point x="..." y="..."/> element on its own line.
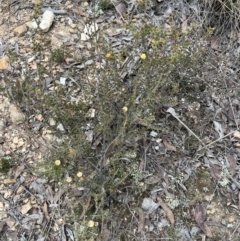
<point x="9" y="181"/>
<point x="200" y="216"/>
<point x="167" y="210"/>
<point x="168" y="146"/>
<point x="26" y="207"/>
<point x="184" y="26"/>
<point x="215" y="43"/>
<point x="216" y="172"/>
<point x="19" y="170"/>
<point x="232" y="163"/>
<point x="45" y="211"/>
<point x="206" y="230"/>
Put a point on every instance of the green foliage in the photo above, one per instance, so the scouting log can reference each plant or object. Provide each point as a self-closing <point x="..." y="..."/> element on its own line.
<point x="58" y="55"/>
<point x="105" y="5"/>
<point x="5" y="165"/>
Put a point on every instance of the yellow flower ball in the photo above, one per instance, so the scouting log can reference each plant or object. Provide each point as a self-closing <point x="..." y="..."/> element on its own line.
<point x="108" y="55"/>
<point x="57" y="162"/>
<point x="90" y="223"/>
<point x="124" y="109"/>
<point x="79" y="174"/>
<point x="143" y="56"/>
<point x="69" y="179"/>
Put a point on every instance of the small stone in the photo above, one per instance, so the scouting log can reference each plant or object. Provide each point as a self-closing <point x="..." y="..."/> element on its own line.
<point x="48" y="137"/>
<point x="47" y="21"/>
<point x="39" y="117"/>
<point x="13" y="40"/>
<point x="231" y="219"/>
<point x="20" y="142"/>
<point x="60" y="127"/>
<point x="84" y="37"/>
<point x="13" y="146"/>
<point x="37" y="2"/>
<point x="68" y="3"/>
<point x="15" y="115"/>
<point x="15" y="140"/>
<point x="10" y="222"/>
<point x="149" y="205"/>
<point x="31" y="59"/>
<point x="20" y="30"/>
<point x="2" y="126"/>
<point x="52" y="122"/>
<point x="153" y="134"/>
<point x="5" y="63"/>
<point x="85" y="4"/>
<point x="32" y="24"/>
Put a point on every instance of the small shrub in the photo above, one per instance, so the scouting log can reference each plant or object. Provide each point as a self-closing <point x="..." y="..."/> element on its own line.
<point x="120" y="104"/>
<point x="58" y="55"/>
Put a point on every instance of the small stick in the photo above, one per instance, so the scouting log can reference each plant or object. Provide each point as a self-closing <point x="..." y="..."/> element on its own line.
<point x="54" y="11"/>
<point x="174" y="114"/>
<point x="219" y="139"/>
